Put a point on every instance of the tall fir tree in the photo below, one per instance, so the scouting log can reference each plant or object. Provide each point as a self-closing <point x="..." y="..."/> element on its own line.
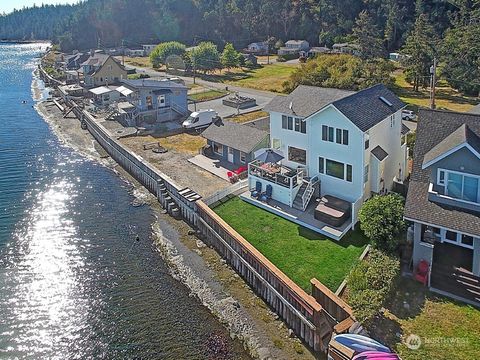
<point x="368" y="37"/>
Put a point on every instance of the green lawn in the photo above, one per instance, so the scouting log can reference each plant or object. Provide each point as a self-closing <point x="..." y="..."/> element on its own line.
<point x="207" y="95"/>
<point x="300" y="253"/>
<point x="447" y="330"/>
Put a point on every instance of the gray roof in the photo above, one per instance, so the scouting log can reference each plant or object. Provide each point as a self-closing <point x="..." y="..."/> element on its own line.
<point x="366" y="108"/>
<point x="240" y="137"/>
<point x="98" y="59"/>
<point x="475" y="110"/>
<point x="306" y="100"/>
<point x="261" y="124"/>
<point x="433" y="127"/>
<point x="405" y="129"/>
<point x="148" y="83"/>
<point x="462" y="135"/>
<point x="379" y="153"/>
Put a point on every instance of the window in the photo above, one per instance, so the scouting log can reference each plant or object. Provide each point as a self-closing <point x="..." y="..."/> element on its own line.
<point x="243" y="157"/>
<point x="460" y="186"/>
<point x="467" y="240"/>
<point x="321" y="165"/>
<point x="290" y="123"/>
<point x="297" y="155"/>
<point x="392" y="121"/>
<point x="284" y="122"/>
<point x="367" y="141"/>
<point x="335" y="169"/>
<point x="276" y="144"/>
<point x="218" y="149"/>
<point x="365" y="174"/>
<point x="324" y="132"/>
<point x="349" y="173"/>
<point x="297" y="124"/>
<point x="345" y="137"/>
<point x="330" y="133"/>
<point x="339" y="136"/>
<point x="441" y="177"/>
<point x="451" y="236"/>
<point x="303" y="127"/>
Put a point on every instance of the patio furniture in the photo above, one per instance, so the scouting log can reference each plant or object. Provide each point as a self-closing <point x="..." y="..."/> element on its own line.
<point x="332" y="211"/>
<point x="421" y="272"/>
<point x="232" y="177"/>
<point x="267" y="195"/>
<point x="258" y="190"/>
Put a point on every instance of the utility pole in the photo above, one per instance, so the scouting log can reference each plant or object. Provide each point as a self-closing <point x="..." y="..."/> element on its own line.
<point x="268" y="50"/>
<point x="123" y="52"/>
<point x="433" y="83"/>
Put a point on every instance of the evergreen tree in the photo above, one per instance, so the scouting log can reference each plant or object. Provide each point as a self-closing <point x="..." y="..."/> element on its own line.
<point x="368" y="37"/>
<point x="230" y="58"/>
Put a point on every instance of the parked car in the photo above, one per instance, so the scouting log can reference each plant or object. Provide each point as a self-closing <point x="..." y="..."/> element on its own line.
<point x="408" y="115"/>
<point x="199" y="119"/>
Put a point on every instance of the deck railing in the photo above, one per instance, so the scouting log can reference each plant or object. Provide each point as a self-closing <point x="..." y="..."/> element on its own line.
<point x="286" y="177"/>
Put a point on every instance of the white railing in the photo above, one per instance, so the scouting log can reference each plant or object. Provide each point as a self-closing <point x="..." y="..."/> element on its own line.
<point x="288" y="181"/>
<point x="307" y="195"/>
<point x="233" y="189"/>
<point x="355" y="210"/>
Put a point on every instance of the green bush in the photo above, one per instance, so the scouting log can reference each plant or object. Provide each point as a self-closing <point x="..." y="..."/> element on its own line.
<point x="164" y="51"/>
<point x="381" y="219"/>
<point x="369" y="284"/>
<point x="283" y="58"/>
<point x="137" y="76"/>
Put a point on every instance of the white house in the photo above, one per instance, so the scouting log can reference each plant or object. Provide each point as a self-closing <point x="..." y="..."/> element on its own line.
<point x="148" y="48"/>
<point x="259" y="48"/>
<point x="293" y="47"/>
<point x="335" y="142"/>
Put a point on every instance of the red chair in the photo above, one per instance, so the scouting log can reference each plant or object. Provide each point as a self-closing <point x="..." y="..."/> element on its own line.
<point x="229" y="174"/>
<point x="421" y="272"/>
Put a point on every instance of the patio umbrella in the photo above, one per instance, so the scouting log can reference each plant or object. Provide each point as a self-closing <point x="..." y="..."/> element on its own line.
<point x="269" y="155"/>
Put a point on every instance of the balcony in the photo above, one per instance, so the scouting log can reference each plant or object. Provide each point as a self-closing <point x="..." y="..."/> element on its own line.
<point x="276" y="174"/>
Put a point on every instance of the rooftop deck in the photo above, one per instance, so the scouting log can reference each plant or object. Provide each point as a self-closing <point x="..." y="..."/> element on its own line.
<point x="303" y="218"/>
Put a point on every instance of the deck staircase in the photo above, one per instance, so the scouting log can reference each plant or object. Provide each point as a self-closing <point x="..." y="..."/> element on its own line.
<point x="305" y="193"/>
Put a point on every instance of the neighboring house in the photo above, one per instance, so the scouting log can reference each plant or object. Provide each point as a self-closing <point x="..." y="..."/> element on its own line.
<point x="104" y="95"/>
<point x="235" y="143"/>
<point x="443" y="201"/>
<point x="318" y="50"/>
<point x="294" y="47"/>
<point x="397" y="56"/>
<point x="348" y="142"/>
<point x="258" y="48"/>
<point x="72" y="77"/>
<point x="250" y="58"/>
<point x="135" y="52"/>
<point x="102" y="69"/>
<point x="475" y="110"/>
<point x="346" y="48"/>
<point x="155" y="100"/>
<point x="75" y="61"/>
<point x="147" y="49"/>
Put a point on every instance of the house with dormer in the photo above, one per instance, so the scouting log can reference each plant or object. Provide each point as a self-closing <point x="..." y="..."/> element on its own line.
<point x="443" y="202"/>
<point x="336" y="143"/>
<point x="102" y="70"/>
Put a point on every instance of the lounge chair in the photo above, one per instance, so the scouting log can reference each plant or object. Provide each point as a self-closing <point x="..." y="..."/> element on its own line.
<point x="421" y="272"/>
<point x="258" y="190"/>
<point x="267" y="195"/>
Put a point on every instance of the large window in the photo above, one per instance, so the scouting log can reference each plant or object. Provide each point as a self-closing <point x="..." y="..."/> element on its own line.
<point x="297" y="124"/>
<point x="297" y="155"/>
<point x="460" y="186"/>
<point x="335" y="169"/>
<point x="331" y="134"/>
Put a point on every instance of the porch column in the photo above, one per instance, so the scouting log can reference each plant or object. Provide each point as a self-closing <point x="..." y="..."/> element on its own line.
<point x="421" y="250"/>
<point x="476" y="257"/>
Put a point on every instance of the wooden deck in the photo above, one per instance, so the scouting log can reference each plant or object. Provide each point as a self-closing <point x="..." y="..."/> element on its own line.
<point x="451" y="273"/>
<point x="303" y="218"/>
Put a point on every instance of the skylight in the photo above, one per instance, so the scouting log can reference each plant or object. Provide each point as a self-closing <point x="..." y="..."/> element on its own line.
<point x="386" y="101"/>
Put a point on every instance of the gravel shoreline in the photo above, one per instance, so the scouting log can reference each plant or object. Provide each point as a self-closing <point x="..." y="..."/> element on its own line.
<point x="198" y="267"/>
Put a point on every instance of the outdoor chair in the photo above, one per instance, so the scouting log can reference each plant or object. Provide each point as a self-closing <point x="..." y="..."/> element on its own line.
<point x="267" y="195"/>
<point x="421" y="272"/>
<point x="232" y="177"/>
<point x="258" y="190"/>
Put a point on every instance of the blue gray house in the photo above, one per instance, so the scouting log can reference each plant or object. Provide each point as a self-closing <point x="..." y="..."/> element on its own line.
<point x="235" y="143"/>
<point x="156" y="101"/>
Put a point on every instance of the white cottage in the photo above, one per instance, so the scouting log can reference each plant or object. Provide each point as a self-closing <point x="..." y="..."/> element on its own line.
<point x="340" y="144"/>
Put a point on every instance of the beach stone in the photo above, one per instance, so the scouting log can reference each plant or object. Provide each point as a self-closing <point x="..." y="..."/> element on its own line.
<point x="264" y="353"/>
<point x="200" y="244"/>
<point x="191" y="232"/>
<point x="291" y="334"/>
<point x="197" y="252"/>
<point x="406" y="305"/>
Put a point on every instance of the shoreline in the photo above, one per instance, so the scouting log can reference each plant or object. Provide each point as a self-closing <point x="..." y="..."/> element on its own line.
<point x="196" y="266"/>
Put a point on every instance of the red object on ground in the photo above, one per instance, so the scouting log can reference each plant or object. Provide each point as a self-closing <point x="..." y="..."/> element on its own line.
<point x="421" y="272"/>
<point x="229" y="174"/>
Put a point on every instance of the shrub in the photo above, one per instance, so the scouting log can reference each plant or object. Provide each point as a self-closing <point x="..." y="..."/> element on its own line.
<point x="137" y="76"/>
<point x="160" y="55"/>
<point x="381" y="219"/>
<point x="369" y="284"/>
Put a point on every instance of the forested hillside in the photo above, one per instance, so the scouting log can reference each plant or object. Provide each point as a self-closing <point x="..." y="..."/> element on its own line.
<point x="321" y="22"/>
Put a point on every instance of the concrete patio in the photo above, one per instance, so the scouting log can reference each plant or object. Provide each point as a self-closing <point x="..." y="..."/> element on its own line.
<point x="215" y="166"/>
<point x="303" y="218"/>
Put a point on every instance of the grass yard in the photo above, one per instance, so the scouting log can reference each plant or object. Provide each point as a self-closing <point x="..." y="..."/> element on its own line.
<point x="207" y="95"/>
<point x="300" y="253"/>
<point x="138" y="61"/>
<point x="448" y="330"/>
<point x="446" y="97"/>
<point x="254" y="115"/>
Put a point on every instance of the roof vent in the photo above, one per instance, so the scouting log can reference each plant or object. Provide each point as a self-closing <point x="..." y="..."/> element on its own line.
<point x="386" y="101"/>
